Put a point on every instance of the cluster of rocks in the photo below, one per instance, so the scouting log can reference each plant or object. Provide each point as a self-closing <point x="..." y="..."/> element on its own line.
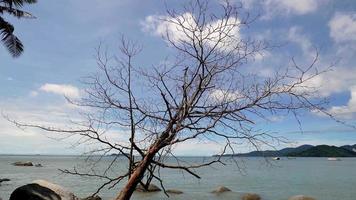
<point x="44" y="190"/>
<point x="155" y="188"/>
<point x="26" y="164"/>
<point x="252" y="196"/>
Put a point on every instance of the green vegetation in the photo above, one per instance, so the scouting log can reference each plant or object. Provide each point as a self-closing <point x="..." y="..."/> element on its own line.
<point x="324" y="151"/>
<point x="304" y="151"/>
<point x="7" y="36"/>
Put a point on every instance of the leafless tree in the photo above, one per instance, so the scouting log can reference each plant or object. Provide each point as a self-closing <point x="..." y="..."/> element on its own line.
<point x="204" y="92"/>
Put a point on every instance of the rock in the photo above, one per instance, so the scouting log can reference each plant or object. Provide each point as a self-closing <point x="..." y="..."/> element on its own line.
<point x="63" y="192"/>
<point x="301" y="197"/>
<point x="151" y="188"/>
<point x="92" y="198"/>
<point x="4" y="180"/>
<point x="38" y="165"/>
<point x="172" y="191"/>
<point x="26" y="164"/>
<point x="34" y="191"/>
<point x="221" y="189"/>
<point x="250" y="196"/>
<point x="42" y="190"/>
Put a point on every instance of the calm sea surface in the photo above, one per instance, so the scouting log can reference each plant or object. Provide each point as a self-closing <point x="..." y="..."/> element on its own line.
<point x="273" y="180"/>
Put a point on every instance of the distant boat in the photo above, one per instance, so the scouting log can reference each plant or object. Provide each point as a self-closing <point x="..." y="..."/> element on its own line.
<point x="276" y="158"/>
<point x="334" y="159"/>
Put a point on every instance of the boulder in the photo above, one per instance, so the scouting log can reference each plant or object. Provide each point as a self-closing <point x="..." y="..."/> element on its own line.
<point x="221" y="189"/>
<point x="250" y="196"/>
<point x="38" y="165"/>
<point x="4" y="180"/>
<point x="173" y="191"/>
<point x="35" y="192"/>
<point x="92" y="198"/>
<point x="63" y="192"/>
<point x="301" y="197"/>
<point x="151" y="188"/>
<point x="42" y="190"/>
<point x="26" y="164"/>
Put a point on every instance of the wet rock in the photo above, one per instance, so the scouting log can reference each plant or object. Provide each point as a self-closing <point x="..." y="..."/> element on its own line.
<point x="221" y="189"/>
<point x="151" y="188"/>
<point x="42" y="190"/>
<point x="4" y="180"/>
<point x="301" y="197"/>
<point x="34" y="191"/>
<point x="61" y="191"/>
<point x="173" y="191"/>
<point x="250" y="196"/>
<point x="92" y="198"/>
<point x="25" y="164"/>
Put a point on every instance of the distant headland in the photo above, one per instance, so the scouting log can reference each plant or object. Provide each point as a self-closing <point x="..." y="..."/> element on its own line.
<point x="304" y="151"/>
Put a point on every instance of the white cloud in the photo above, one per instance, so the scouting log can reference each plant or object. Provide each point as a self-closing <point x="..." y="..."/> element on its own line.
<point x="295" y="34"/>
<point x="274" y="8"/>
<point x="179" y="29"/>
<point x="299" y="7"/>
<point x="349" y="110"/>
<point x="33" y="93"/>
<point x="61" y="89"/>
<point x="219" y="95"/>
<point x="195" y="147"/>
<point x="332" y="82"/>
<point x="343" y="27"/>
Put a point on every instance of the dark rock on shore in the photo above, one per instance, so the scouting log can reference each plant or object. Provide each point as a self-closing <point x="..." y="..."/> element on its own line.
<point x="4" y="180"/>
<point x="42" y="190"/>
<point x="151" y="188"/>
<point x="221" y="189"/>
<point x="26" y="164"/>
<point x="39" y="165"/>
<point x="173" y="191"/>
<point x="250" y="196"/>
<point x="301" y="197"/>
<point x="92" y="198"/>
<point x="34" y="191"/>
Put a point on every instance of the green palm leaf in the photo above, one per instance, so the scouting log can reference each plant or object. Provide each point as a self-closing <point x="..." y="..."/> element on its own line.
<point x="11" y="42"/>
<point x="15" y="12"/>
<point x="17" y="3"/>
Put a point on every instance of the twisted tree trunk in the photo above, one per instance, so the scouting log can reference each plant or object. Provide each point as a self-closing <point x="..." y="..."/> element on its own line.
<point x="137" y="175"/>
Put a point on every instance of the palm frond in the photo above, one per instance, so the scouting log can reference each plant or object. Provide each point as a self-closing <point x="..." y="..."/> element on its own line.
<point x="15" y="12"/>
<point x="17" y="3"/>
<point x="11" y="42"/>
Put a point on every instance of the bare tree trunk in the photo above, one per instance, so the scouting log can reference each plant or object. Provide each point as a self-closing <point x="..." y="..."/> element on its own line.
<point x="137" y="175"/>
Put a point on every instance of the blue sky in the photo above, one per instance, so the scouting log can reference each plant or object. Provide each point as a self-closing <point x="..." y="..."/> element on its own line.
<point x="60" y="46"/>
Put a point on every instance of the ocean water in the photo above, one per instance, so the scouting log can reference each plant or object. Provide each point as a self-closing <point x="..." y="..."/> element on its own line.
<point x="272" y="180"/>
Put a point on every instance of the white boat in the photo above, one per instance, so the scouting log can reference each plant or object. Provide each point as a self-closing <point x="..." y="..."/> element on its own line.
<point x="334" y="159"/>
<point x="276" y="158"/>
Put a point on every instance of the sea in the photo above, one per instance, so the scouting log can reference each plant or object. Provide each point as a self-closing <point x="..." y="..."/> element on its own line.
<point x="271" y="179"/>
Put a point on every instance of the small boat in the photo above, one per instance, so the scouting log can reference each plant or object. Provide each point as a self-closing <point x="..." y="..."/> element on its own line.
<point x="276" y="158"/>
<point x="334" y="159"/>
